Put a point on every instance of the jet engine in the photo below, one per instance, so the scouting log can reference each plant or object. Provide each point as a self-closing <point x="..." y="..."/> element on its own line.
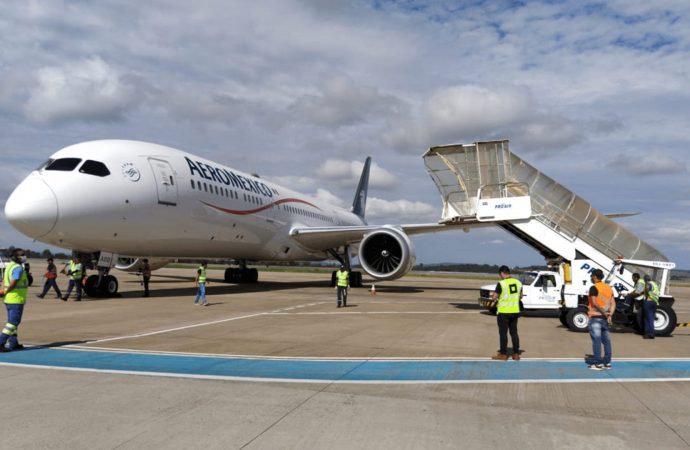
<point x="387" y="253"/>
<point x="134" y="264"/>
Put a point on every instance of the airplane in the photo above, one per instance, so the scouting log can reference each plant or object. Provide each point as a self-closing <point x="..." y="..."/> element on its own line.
<point x="115" y="202"/>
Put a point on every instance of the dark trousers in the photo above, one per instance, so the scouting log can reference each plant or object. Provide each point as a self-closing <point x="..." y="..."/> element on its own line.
<point x="72" y="284"/>
<point x="146" y="286"/>
<point x="342" y="293"/>
<point x="508" y="322"/>
<point x="648" y="313"/>
<point x="14" y="318"/>
<point x="50" y="282"/>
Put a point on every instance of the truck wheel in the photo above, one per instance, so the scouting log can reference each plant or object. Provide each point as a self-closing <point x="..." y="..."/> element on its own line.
<point x="577" y="319"/>
<point x="664" y="320"/>
<point x="563" y="320"/>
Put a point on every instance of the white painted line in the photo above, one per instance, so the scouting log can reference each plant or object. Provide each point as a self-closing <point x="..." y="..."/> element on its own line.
<point x="317" y="313"/>
<point x="203" y="324"/>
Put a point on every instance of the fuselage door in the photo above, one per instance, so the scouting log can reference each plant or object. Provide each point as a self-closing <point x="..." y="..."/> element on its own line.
<point x="165" y="181"/>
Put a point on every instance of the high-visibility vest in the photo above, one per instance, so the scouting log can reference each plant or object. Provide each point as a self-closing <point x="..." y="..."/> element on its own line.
<point x="202" y="274"/>
<point x="653" y="293"/>
<point x="75" y="270"/>
<point x="604" y="299"/>
<point x="342" y="276"/>
<point x="509" y="300"/>
<point x="16" y="296"/>
<point x="640" y="283"/>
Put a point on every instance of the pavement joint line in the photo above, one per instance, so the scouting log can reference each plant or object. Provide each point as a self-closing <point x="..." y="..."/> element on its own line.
<point x="186" y="327"/>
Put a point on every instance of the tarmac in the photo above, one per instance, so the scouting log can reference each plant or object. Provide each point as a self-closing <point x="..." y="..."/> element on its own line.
<point x="277" y="365"/>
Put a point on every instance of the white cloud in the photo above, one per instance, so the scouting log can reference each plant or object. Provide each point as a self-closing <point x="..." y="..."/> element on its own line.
<point x="330" y="198"/>
<point x="656" y="162"/>
<point x="401" y="210"/>
<point x="494" y="242"/>
<point x="88" y="90"/>
<point x="347" y="173"/>
<point x="341" y="102"/>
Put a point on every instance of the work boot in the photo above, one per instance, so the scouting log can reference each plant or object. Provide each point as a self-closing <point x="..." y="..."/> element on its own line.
<point x="500" y="357"/>
<point x="516" y="357"/>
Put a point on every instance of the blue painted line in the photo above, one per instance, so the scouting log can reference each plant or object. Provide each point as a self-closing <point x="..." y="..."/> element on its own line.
<point x="346" y="370"/>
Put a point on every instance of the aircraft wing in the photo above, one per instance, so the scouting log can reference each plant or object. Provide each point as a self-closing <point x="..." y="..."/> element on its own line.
<point x="332" y="237"/>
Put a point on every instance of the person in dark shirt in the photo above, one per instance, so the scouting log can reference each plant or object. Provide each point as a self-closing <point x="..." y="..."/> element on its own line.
<point x="51" y="280"/>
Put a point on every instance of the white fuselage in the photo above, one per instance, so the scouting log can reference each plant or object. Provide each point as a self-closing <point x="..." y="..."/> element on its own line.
<point x="158" y="201"/>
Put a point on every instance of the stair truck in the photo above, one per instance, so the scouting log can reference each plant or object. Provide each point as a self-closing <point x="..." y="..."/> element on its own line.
<point x="485" y="184"/>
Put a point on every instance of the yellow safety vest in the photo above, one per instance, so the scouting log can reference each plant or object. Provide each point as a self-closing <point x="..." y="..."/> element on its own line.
<point x="202" y="274"/>
<point x="509" y="300"/>
<point x="644" y="285"/>
<point x="342" y="277"/>
<point x="16" y="296"/>
<point x="75" y="270"/>
<point x="654" y="292"/>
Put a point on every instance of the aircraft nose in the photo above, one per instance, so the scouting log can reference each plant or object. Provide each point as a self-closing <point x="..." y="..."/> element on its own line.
<point x="32" y="208"/>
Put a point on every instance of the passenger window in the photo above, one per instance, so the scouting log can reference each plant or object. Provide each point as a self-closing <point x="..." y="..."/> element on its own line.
<point x="96" y="168"/>
<point x="64" y="164"/>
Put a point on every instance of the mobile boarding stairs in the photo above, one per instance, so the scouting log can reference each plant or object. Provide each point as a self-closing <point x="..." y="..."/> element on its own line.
<point x="484" y="184"/>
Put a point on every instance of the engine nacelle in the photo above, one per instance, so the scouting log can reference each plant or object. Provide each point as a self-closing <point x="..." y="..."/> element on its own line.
<point x="387" y="253"/>
<point x="134" y="264"/>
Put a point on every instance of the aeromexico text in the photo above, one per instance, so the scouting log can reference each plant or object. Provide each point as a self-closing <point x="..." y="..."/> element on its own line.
<point x="228" y="178"/>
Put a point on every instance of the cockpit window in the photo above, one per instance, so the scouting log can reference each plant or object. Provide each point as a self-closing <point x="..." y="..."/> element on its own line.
<point x="44" y="164"/>
<point x="94" y="168"/>
<point x="63" y="164"/>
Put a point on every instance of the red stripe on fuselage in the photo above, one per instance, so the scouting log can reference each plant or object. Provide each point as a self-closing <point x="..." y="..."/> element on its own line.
<point x="253" y="211"/>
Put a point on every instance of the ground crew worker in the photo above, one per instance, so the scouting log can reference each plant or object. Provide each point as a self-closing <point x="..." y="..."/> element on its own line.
<point x="342" y="277"/>
<point x="75" y="273"/>
<point x="15" y="286"/>
<point x="508" y="292"/>
<point x="649" y="305"/>
<point x="638" y="293"/>
<point x="601" y="306"/>
<point x="51" y="280"/>
<point x="200" y="282"/>
<point x="145" y="275"/>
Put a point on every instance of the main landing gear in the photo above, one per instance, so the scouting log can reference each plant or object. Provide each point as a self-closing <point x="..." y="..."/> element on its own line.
<point x="242" y="274"/>
<point x="355" y="276"/>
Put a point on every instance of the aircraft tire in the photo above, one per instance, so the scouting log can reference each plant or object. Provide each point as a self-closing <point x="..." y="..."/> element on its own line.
<point x="229" y="275"/>
<point x="110" y="286"/>
<point x="333" y="278"/>
<point x="253" y="275"/>
<point x="90" y="286"/>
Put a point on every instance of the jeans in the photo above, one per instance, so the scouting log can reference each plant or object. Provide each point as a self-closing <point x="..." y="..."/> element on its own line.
<point x="599" y="331"/>
<point x="508" y="322"/>
<point x="201" y="293"/>
<point x="72" y="284"/>
<point x="14" y="318"/>
<point x="648" y="313"/>
<point x="50" y="283"/>
<point x="342" y="292"/>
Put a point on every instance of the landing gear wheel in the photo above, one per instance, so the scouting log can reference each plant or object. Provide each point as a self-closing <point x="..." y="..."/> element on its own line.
<point x="333" y="278"/>
<point x="110" y="286"/>
<point x="253" y="275"/>
<point x="665" y="320"/>
<point x="356" y="279"/>
<point x="577" y="319"/>
<point x="90" y="286"/>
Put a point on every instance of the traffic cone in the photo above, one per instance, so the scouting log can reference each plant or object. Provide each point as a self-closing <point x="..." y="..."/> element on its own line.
<point x="372" y="291"/>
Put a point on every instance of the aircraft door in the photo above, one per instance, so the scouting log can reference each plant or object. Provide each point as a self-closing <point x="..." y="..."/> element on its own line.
<point x="165" y="182"/>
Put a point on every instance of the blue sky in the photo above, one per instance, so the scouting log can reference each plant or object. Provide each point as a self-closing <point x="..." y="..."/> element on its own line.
<point x="596" y="95"/>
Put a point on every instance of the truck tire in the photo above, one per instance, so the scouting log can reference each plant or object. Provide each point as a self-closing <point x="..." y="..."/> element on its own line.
<point x="665" y="320"/>
<point x="563" y="320"/>
<point x="577" y="319"/>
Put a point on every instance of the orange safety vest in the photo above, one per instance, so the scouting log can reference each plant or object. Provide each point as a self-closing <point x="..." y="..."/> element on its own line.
<point x="604" y="300"/>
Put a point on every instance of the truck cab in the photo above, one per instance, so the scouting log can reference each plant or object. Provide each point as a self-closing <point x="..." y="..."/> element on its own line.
<point x="540" y="290"/>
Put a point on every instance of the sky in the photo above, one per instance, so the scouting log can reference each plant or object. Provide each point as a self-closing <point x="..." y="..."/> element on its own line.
<point x="594" y="94"/>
